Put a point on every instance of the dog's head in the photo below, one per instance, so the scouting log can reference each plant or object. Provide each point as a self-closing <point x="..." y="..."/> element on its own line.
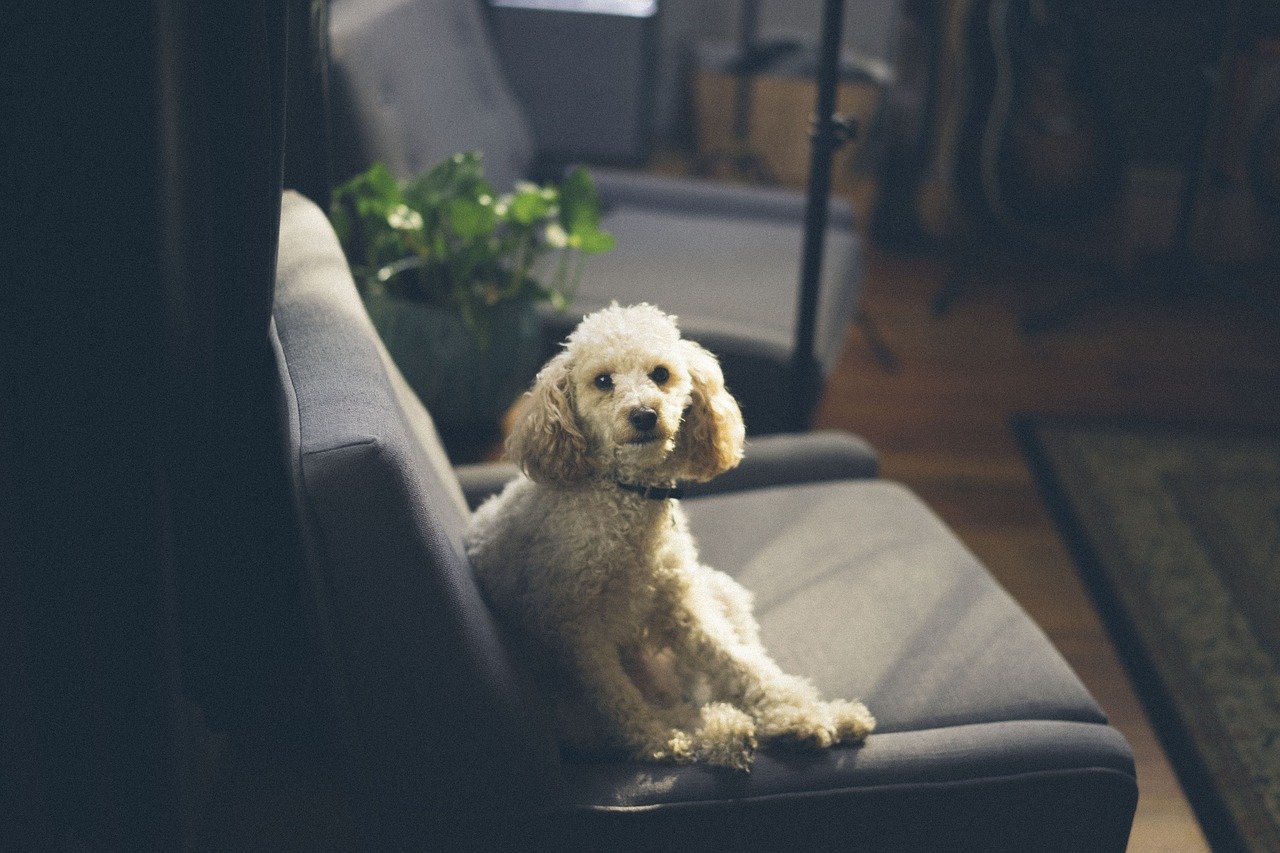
<point x="628" y="398"/>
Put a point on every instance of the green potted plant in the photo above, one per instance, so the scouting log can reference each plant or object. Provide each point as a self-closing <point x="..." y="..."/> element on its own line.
<point x="451" y="273"/>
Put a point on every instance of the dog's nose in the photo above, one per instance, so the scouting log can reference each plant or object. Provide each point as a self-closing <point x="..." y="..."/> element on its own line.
<point x="644" y="419"/>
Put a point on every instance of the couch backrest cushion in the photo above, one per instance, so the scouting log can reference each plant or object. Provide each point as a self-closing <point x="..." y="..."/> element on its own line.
<point x="433" y="716"/>
<point x="415" y="81"/>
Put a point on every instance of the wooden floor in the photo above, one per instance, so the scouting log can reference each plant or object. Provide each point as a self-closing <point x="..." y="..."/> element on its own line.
<point x="941" y="425"/>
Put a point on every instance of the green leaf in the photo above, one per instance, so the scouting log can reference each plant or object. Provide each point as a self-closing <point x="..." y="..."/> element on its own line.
<point x="579" y="203"/>
<point x="372" y="193"/>
<point x="359" y="210"/>
<point x="381" y="182"/>
<point x="470" y="219"/>
<point x="596" y="242"/>
<point x="530" y="204"/>
<point x="377" y="180"/>
<point x="460" y="176"/>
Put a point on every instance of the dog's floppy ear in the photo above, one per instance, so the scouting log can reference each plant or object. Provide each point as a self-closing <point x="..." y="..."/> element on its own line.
<point x="546" y="441"/>
<point x="711" y="436"/>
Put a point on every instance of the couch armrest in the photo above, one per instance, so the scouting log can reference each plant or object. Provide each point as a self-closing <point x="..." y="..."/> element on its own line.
<point x="789" y="459"/>
<point x="482" y="479"/>
<point x="698" y="196"/>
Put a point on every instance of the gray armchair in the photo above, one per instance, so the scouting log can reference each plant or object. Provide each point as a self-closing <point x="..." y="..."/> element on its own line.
<point x="986" y="739"/>
<point x="413" y="81"/>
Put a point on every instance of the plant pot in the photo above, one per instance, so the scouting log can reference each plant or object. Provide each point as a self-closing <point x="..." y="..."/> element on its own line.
<point x="466" y="388"/>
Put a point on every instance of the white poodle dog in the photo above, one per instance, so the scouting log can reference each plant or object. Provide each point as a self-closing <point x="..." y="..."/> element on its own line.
<point x="588" y="557"/>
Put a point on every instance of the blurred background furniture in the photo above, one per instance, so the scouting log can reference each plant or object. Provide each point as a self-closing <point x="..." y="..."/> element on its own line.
<point x="413" y="81"/>
<point x="752" y="104"/>
<point x="1117" y="144"/>
<point x="585" y="72"/>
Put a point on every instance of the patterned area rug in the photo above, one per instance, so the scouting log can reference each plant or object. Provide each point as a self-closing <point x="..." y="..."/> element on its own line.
<point x="1177" y="532"/>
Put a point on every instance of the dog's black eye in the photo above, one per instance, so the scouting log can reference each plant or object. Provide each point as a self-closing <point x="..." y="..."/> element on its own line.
<point x="604" y="382"/>
<point x="660" y="375"/>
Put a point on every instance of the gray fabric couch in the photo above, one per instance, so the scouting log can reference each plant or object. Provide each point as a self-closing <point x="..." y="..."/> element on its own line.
<point x="986" y="739"/>
<point x="413" y="81"/>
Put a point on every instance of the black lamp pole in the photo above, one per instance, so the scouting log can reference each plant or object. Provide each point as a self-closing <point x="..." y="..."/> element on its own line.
<point x="748" y="45"/>
<point x="829" y="133"/>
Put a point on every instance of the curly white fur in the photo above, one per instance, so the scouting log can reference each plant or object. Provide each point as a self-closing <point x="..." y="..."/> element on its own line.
<point x="645" y="649"/>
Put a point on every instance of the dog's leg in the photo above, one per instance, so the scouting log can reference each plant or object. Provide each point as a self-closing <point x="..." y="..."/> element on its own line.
<point x="714" y="626"/>
<point x="787" y="708"/>
<point x="642" y="727"/>
<point x="735" y="600"/>
<point x="724" y="736"/>
<point x="853" y="722"/>
<point x="719" y="736"/>
<point x="850" y="721"/>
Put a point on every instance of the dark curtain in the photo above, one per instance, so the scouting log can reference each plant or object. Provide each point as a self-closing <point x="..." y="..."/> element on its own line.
<point x="306" y="153"/>
<point x="146" y="548"/>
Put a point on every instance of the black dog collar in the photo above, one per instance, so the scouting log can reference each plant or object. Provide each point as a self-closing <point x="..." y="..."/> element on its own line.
<point x="653" y="493"/>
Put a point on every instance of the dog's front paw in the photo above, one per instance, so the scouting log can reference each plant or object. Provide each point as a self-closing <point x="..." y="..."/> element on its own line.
<point x="674" y="746"/>
<point x="806" y="726"/>
<point x="853" y="722"/>
<point x="726" y="736"/>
